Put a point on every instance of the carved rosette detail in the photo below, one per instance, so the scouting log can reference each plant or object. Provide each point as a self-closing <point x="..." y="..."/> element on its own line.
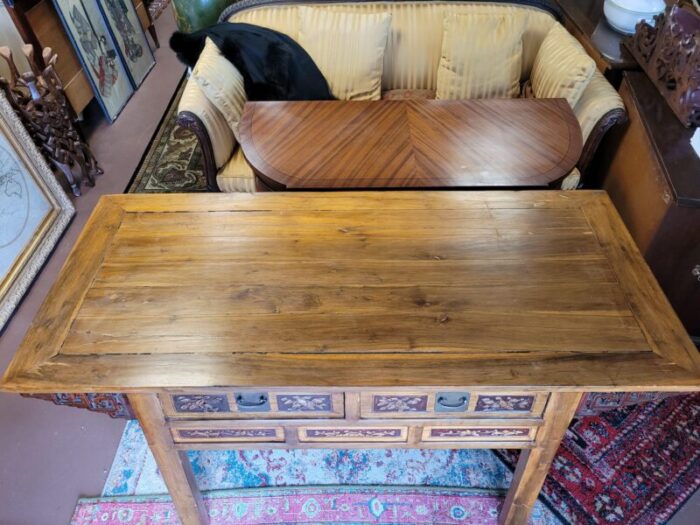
<point x="304" y="403"/>
<point x="201" y="403"/>
<point x="400" y="403"/>
<point x="504" y="403"/>
<point x="478" y="432"/>
<point x="354" y="433"/>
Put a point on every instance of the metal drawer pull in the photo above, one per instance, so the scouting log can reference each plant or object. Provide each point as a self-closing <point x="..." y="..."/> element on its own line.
<point x="460" y="402"/>
<point x="242" y="403"/>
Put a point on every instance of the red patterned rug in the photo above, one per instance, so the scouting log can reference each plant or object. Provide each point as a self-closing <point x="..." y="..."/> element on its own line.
<point x="312" y="506"/>
<point x="636" y="465"/>
<point x="156" y="7"/>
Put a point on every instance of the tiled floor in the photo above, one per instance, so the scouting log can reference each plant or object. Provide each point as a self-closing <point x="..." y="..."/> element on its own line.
<point x="49" y="456"/>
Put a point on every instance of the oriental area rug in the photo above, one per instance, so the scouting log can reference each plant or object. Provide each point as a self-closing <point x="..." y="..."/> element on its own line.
<point x="635" y="465"/>
<point x="156" y="7"/>
<point x="173" y="161"/>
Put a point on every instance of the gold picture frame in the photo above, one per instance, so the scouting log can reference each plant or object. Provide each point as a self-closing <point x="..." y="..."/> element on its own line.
<point x="34" y="211"/>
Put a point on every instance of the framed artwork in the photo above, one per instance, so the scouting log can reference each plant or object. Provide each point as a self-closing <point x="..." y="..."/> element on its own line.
<point x="34" y="210"/>
<point x="126" y="30"/>
<point x="97" y="52"/>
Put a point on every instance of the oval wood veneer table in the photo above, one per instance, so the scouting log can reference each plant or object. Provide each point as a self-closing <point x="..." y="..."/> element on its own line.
<point x="377" y="319"/>
<point x="410" y="143"/>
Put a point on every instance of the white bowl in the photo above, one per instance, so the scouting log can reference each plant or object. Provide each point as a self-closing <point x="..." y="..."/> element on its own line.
<point x="623" y="15"/>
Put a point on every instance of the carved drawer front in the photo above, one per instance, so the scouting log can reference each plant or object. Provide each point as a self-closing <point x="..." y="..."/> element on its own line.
<point x="457" y="433"/>
<point x="452" y="404"/>
<point x="205" y="432"/>
<point x="353" y="434"/>
<point x="253" y="404"/>
<point x="508" y="404"/>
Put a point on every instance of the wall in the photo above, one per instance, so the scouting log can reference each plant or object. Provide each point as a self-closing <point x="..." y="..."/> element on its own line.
<point x="10" y="37"/>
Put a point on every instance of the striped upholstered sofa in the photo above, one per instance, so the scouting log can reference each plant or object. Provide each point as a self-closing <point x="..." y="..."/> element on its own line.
<point x="411" y="61"/>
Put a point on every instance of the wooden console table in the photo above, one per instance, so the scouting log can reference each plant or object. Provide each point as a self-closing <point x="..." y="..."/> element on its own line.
<point x="410" y="143"/>
<point x="393" y="319"/>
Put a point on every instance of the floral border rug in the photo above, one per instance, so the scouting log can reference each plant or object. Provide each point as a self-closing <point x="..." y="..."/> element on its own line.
<point x="313" y="505"/>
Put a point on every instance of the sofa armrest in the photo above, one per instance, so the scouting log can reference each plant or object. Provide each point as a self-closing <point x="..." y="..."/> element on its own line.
<point x="599" y="109"/>
<point x="197" y="114"/>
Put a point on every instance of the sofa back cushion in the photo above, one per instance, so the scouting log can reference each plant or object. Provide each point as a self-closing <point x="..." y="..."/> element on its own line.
<point x="415" y="39"/>
<point x="562" y="67"/>
<point x="348" y="48"/>
<point x="481" y="57"/>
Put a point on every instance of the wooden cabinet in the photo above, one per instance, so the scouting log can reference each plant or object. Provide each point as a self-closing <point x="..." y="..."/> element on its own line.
<point x="39" y="24"/>
<point x="653" y="177"/>
<point x="145" y="18"/>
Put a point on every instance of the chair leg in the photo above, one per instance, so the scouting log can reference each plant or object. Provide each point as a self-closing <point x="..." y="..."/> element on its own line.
<point x="154" y="35"/>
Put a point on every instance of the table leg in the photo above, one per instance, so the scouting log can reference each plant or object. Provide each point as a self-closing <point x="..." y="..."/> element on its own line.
<point x="173" y="464"/>
<point x="534" y="463"/>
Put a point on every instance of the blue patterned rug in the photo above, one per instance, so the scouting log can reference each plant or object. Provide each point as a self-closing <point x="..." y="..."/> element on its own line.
<point x="134" y="472"/>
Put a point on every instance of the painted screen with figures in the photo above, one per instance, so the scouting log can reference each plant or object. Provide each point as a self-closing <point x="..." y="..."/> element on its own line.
<point x="98" y="53"/>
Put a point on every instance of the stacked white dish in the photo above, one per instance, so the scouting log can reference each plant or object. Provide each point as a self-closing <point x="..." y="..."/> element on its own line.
<point x="623" y="15"/>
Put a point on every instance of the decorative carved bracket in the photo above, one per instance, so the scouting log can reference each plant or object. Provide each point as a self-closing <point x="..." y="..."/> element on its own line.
<point x="669" y="53"/>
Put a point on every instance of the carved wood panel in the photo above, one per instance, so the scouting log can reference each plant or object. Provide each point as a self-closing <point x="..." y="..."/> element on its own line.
<point x="252" y="404"/>
<point x="353" y="433"/>
<point x="474" y="433"/>
<point x="669" y="53"/>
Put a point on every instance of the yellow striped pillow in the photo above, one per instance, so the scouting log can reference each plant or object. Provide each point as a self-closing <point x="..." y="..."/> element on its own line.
<point x="562" y="68"/>
<point x="348" y="48"/>
<point x="481" y="57"/>
<point x="221" y="83"/>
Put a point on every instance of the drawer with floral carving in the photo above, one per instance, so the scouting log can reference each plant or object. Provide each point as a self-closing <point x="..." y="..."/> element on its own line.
<point x="457" y="433"/>
<point x="252" y="404"/>
<point x="225" y="432"/>
<point x="353" y="434"/>
<point x="451" y="404"/>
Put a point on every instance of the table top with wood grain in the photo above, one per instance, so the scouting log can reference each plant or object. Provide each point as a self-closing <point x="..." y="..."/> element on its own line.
<point x="509" y="290"/>
<point x="410" y="143"/>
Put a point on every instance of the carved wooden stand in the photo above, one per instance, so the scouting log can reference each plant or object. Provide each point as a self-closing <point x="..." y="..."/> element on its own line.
<point x="39" y="100"/>
<point x="669" y="53"/>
